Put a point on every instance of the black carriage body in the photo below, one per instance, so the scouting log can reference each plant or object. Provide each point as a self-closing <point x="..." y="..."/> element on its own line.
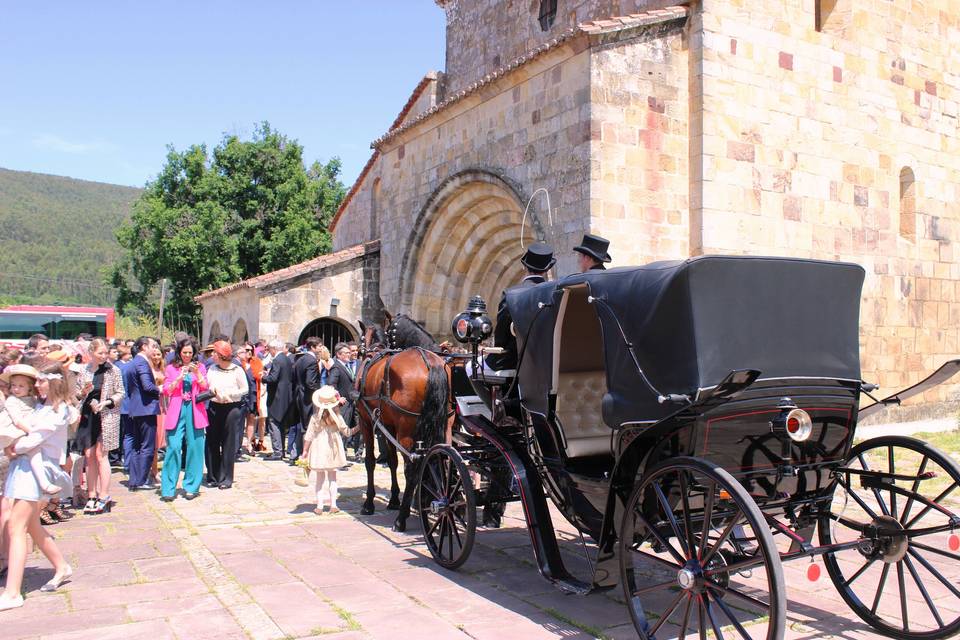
<point x="595" y="423"/>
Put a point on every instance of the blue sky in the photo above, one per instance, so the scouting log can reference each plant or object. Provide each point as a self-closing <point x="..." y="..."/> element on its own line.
<point x="96" y="90"/>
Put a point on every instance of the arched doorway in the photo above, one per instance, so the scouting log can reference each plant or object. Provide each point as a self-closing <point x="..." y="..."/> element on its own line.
<point x="240" y="334"/>
<point x="466" y="242"/>
<point x="214" y="330"/>
<point x="329" y="330"/>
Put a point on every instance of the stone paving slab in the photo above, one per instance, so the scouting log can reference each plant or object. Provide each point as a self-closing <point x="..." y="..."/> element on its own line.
<point x="255" y="562"/>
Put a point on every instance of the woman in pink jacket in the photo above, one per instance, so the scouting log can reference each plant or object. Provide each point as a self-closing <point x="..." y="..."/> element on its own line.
<point x="186" y="421"/>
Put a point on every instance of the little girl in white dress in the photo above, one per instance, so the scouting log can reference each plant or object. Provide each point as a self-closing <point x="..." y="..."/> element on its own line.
<point x="323" y="446"/>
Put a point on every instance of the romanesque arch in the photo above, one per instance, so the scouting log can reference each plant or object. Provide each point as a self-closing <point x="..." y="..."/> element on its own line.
<point x="240" y="334"/>
<point x="214" y="330"/>
<point x="329" y="330"/>
<point x="466" y="241"/>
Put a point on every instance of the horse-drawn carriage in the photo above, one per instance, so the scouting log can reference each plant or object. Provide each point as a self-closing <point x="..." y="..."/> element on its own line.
<point x="696" y="419"/>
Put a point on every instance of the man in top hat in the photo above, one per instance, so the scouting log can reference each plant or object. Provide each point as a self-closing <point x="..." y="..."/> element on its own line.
<point x="592" y="253"/>
<point x="537" y="261"/>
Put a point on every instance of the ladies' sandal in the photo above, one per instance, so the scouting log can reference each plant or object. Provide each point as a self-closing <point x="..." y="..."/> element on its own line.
<point x="46" y="518"/>
<point x="104" y="505"/>
<point x="58" y="513"/>
<point x="10" y="603"/>
<point x="91" y="506"/>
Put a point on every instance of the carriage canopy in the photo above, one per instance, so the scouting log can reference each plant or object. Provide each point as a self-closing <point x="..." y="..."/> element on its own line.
<point x="690" y="323"/>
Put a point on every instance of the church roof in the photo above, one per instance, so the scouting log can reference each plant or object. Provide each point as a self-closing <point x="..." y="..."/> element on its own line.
<point x="280" y="275"/>
<point x="592" y="28"/>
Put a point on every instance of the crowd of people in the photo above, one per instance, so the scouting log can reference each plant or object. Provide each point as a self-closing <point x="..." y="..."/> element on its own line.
<point x="173" y="418"/>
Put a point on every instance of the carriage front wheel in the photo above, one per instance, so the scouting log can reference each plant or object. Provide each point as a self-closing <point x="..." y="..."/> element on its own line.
<point x="901" y="500"/>
<point x="697" y="556"/>
<point x="447" y="506"/>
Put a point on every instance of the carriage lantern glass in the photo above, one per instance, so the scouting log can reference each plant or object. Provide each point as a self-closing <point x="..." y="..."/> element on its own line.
<point x="799" y="425"/>
<point x="473" y="325"/>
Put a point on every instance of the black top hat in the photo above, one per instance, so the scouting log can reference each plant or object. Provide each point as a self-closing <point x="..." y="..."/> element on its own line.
<point x="595" y="247"/>
<point x="539" y="257"/>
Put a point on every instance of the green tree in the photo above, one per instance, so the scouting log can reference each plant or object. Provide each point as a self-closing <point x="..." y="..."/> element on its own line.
<point x="211" y="219"/>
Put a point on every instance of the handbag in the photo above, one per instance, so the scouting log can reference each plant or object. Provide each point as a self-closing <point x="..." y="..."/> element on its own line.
<point x="206" y="395"/>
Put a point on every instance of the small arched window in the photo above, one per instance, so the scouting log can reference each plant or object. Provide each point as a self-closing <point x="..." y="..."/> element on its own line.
<point x="548" y="13"/>
<point x="908" y="205"/>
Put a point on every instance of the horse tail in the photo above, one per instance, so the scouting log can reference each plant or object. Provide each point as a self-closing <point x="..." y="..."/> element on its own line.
<point x="432" y="421"/>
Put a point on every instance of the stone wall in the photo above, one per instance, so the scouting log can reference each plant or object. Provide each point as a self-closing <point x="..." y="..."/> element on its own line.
<point x="356" y="222"/>
<point x="639" y="168"/>
<point x="225" y="310"/>
<point x="530" y="128"/>
<point x="286" y="308"/>
<point x="483" y="35"/>
<point x="805" y="137"/>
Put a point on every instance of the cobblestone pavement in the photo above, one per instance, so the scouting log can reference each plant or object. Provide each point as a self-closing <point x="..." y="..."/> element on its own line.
<point x="256" y="562"/>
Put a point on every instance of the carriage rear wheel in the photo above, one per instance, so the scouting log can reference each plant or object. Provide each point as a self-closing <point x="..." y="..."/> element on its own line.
<point x="697" y="556"/>
<point x="447" y="506"/>
<point x="906" y="585"/>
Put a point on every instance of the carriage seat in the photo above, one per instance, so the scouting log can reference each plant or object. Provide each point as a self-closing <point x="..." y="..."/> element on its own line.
<point x="579" y="402"/>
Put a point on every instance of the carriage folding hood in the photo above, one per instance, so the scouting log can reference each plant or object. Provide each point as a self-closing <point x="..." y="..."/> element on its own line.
<point x="692" y="322"/>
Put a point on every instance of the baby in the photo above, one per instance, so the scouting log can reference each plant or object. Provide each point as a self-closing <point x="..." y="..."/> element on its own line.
<point x="15" y="418"/>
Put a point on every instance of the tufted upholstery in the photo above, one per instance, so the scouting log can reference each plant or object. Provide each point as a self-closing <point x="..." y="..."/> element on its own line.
<point x="579" y="397"/>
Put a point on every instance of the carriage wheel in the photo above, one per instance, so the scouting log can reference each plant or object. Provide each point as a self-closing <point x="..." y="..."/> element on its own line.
<point x="447" y="506"/>
<point x="697" y="556"/>
<point x="904" y="586"/>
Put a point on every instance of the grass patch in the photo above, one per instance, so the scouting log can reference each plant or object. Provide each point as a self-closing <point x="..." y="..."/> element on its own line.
<point x="346" y="616"/>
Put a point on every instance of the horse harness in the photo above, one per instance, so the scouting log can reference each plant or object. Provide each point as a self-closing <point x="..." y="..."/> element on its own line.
<point x="384" y="395"/>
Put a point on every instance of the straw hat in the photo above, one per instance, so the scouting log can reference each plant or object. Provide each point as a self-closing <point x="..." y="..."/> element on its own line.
<point x="326" y="397"/>
<point x="19" y="370"/>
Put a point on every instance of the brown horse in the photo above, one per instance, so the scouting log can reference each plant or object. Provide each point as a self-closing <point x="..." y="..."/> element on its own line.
<point x="408" y="392"/>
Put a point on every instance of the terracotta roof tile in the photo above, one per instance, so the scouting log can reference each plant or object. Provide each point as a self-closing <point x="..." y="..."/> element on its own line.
<point x="275" y="277"/>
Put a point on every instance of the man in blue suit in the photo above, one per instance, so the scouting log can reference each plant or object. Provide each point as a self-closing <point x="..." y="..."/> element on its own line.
<point x="143" y="402"/>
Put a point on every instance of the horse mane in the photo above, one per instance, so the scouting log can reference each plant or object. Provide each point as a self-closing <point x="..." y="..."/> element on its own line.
<point x="407" y="333"/>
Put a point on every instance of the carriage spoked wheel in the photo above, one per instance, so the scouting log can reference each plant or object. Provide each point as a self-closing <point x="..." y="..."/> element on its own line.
<point x="447" y="506"/>
<point x="903" y="578"/>
<point x="697" y="557"/>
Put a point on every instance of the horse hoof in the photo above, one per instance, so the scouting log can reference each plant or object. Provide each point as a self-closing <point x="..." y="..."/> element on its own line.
<point x="393" y="506"/>
<point x="399" y="527"/>
<point x="366" y="511"/>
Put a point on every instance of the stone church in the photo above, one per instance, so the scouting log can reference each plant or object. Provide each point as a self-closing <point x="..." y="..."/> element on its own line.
<point x="809" y="128"/>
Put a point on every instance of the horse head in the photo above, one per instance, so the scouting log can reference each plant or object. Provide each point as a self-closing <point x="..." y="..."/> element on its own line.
<point x="372" y="337"/>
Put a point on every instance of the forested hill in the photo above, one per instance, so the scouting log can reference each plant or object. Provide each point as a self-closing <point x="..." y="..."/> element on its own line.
<point x="57" y="237"/>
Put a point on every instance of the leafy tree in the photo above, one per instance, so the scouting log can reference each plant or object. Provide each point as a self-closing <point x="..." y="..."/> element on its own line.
<point x="206" y="221"/>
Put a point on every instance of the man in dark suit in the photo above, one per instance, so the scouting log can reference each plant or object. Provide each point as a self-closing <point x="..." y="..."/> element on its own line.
<point x="281" y="408"/>
<point x="340" y="377"/>
<point x="306" y="374"/>
<point x="537" y="261"/>
<point x="143" y="404"/>
<point x="592" y="253"/>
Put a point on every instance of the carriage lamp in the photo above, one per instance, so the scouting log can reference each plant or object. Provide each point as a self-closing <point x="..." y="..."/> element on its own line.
<point x="795" y="423"/>
<point x="473" y="325"/>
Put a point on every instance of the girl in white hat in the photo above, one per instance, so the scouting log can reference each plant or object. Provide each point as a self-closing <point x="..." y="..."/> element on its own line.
<point x="15" y="418"/>
<point x="323" y="447"/>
